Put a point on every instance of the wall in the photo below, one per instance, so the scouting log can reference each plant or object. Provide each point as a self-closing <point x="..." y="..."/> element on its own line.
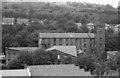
<point x="11" y="54"/>
<point x="63" y="56"/>
<point x="85" y="44"/>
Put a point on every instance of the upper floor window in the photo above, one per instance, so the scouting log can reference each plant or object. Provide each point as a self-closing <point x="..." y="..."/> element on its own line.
<point x="84" y="45"/>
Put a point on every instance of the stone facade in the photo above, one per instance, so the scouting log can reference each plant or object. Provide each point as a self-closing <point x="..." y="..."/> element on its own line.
<point x="83" y="41"/>
<point x="100" y="39"/>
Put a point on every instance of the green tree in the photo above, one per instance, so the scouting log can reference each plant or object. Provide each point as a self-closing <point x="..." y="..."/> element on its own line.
<point x="71" y="27"/>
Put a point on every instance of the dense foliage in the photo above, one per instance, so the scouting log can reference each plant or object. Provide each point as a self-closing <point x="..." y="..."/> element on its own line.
<point x="55" y="19"/>
<point x="59" y="19"/>
<point x="38" y="57"/>
<point x="98" y="67"/>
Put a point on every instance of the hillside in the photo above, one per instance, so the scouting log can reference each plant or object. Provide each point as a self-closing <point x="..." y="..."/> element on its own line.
<point x="93" y="12"/>
<point x="57" y="18"/>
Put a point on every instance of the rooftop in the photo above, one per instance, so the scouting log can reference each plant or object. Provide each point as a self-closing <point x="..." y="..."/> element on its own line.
<point x="90" y="24"/>
<point x="57" y="70"/>
<point x="112" y="52"/>
<point x="20" y="72"/>
<point x="66" y="35"/>
<point x="22" y="20"/>
<point x="65" y="49"/>
<point x="2" y="57"/>
<point x="31" y="49"/>
<point x="7" y="20"/>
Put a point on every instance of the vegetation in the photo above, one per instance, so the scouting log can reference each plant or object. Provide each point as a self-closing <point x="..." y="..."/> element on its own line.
<point x="61" y="19"/>
<point x="98" y="67"/>
<point x="39" y="57"/>
<point x="55" y="18"/>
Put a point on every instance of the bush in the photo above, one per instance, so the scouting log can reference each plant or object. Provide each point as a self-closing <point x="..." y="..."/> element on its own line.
<point x="20" y="61"/>
<point x="41" y="57"/>
<point x="2" y="67"/>
<point x="68" y="60"/>
<point x="15" y="64"/>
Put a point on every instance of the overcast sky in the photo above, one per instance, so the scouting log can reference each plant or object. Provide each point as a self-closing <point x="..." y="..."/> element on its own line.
<point x="111" y="2"/>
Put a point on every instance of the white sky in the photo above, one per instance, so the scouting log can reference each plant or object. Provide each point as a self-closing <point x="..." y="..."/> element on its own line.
<point x="111" y="2"/>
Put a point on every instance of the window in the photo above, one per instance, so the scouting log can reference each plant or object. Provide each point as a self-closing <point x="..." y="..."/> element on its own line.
<point x="84" y="50"/>
<point x="84" y="45"/>
<point x="54" y="41"/>
<point x="60" y="41"/>
<point x="67" y="41"/>
<point x="76" y="41"/>
<point x="58" y="56"/>
<point x="90" y="45"/>
<point x="84" y="40"/>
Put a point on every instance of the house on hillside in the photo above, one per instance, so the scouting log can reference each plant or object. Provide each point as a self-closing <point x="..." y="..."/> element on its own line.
<point x="116" y="28"/>
<point x="90" y="26"/>
<point x="107" y="26"/>
<point x="64" y="54"/>
<point x="12" y="52"/>
<point x="111" y="54"/>
<point x="8" y="21"/>
<point x="2" y="59"/>
<point x="78" y="25"/>
<point x="22" y="21"/>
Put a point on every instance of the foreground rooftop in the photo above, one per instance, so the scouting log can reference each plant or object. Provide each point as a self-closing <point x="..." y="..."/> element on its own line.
<point x="57" y="70"/>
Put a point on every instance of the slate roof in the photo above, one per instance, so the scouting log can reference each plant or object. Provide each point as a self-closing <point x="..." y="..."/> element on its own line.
<point x="71" y="50"/>
<point x="7" y="20"/>
<point x="22" y="20"/>
<point x="90" y="24"/>
<point x="112" y="52"/>
<point x="2" y="57"/>
<point x="30" y="49"/>
<point x="66" y="35"/>
<point x="57" y="70"/>
<point x="20" y="72"/>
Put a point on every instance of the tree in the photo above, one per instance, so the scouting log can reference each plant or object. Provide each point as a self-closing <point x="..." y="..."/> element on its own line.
<point x="111" y="42"/>
<point x="32" y="39"/>
<point x="68" y="60"/>
<point x="71" y="27"/>
<point x="22" y="59"/>
<point x="53" y="57"/>
<point x="87" y="62"/>
<point x="41" y="57"/>
<point x="84" y="29"/>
